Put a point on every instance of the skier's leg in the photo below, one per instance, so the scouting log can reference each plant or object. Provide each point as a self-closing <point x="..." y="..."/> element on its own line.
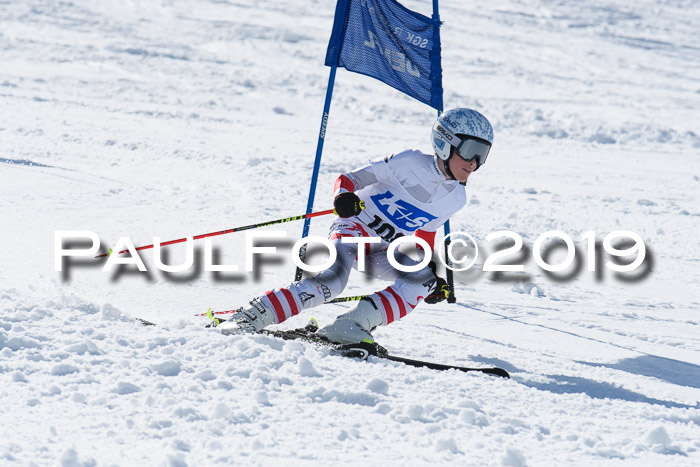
<point x="407" y="291"/>
<point x="277" y="305"/>
<point x="313" y="291"/>
<point x="355" y="325"/>
<point x="384" y="307"/>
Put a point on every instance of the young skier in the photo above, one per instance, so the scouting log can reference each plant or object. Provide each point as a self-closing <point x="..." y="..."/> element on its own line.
<point x="409" y="193"/>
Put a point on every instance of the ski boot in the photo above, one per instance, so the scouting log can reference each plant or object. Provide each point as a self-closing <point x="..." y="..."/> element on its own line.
<point x="354" y="326"/>
<point x="248" y="320"/>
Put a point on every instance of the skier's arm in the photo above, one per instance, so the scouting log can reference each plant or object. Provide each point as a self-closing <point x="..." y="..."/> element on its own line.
<point x="441" y="290"/>
<point x="428" y="236"/>
<point x="345" y="201"/>
<point x="355" y="180"/>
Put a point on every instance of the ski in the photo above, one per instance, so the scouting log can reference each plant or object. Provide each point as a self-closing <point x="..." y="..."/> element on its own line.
<point x="439" y="366"/>
<point x="307" y="334"/>
<point x="361" y="350"/>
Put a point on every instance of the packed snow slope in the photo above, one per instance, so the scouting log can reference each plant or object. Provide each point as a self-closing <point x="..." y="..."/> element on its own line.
<point x="169" y="118"/>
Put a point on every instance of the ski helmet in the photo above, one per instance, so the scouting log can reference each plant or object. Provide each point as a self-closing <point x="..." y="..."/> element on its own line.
<point x="466" y="130"/>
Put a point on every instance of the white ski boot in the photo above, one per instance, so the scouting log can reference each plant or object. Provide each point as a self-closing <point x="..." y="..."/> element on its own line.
<point x="355" y="325"/>
<point x="249" y="320"/>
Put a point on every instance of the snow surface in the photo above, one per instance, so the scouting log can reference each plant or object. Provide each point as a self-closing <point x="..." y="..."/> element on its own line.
<point x="171" y="118"/>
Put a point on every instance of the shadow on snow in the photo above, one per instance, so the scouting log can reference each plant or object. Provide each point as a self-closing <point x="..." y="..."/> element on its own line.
<point x="666" y="369"/>
<point x="560" y="384"/>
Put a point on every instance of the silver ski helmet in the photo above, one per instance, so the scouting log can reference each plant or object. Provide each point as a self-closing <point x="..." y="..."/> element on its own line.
<point x="466" y="130"/>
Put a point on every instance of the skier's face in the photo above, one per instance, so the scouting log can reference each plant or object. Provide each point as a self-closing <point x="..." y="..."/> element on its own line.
<point x="460" y="168"/>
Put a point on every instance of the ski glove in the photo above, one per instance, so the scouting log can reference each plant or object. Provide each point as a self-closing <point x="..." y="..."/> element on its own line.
<point x="441" y="290"/>
<point x="347" y="204"/>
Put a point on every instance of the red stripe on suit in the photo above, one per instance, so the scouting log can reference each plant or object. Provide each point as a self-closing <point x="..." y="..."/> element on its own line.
<point x="427" y="236"/>
<point x="290" y="300"/>
<point x="343" y="183"/>
<point x="277" y="306"/>
<point x="399" y="301"/>
<point x="387" y="308"/>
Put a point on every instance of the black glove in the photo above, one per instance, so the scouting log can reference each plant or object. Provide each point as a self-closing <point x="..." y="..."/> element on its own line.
<point x="347" y="204"/>
<point x="441" y="290"/>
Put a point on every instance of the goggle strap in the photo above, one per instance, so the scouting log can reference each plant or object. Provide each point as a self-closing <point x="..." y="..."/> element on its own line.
<point x="447" y="134"/>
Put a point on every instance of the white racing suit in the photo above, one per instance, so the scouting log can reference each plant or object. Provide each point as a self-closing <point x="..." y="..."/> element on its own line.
<point x="404" y="194"/>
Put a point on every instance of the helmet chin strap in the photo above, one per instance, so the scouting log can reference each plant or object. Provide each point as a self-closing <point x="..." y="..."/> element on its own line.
<point x="447" y="168"/>
<point x="448" y="171"/>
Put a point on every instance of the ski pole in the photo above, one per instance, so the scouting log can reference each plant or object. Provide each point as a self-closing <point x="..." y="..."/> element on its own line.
<point x="235" y="229"/>
<point x="210" y="313"/>
<point x="354" y="298"/>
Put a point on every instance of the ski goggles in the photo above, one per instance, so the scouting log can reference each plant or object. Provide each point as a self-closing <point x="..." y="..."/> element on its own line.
<point x="471" y="147"/>
<point x="468" y="147"/>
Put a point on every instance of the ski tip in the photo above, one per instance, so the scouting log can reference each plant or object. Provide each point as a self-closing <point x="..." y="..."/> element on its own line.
<point x="498" y="372"/>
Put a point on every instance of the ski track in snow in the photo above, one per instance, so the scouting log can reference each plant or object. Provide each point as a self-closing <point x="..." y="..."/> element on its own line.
<point x="173" y="118"/>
